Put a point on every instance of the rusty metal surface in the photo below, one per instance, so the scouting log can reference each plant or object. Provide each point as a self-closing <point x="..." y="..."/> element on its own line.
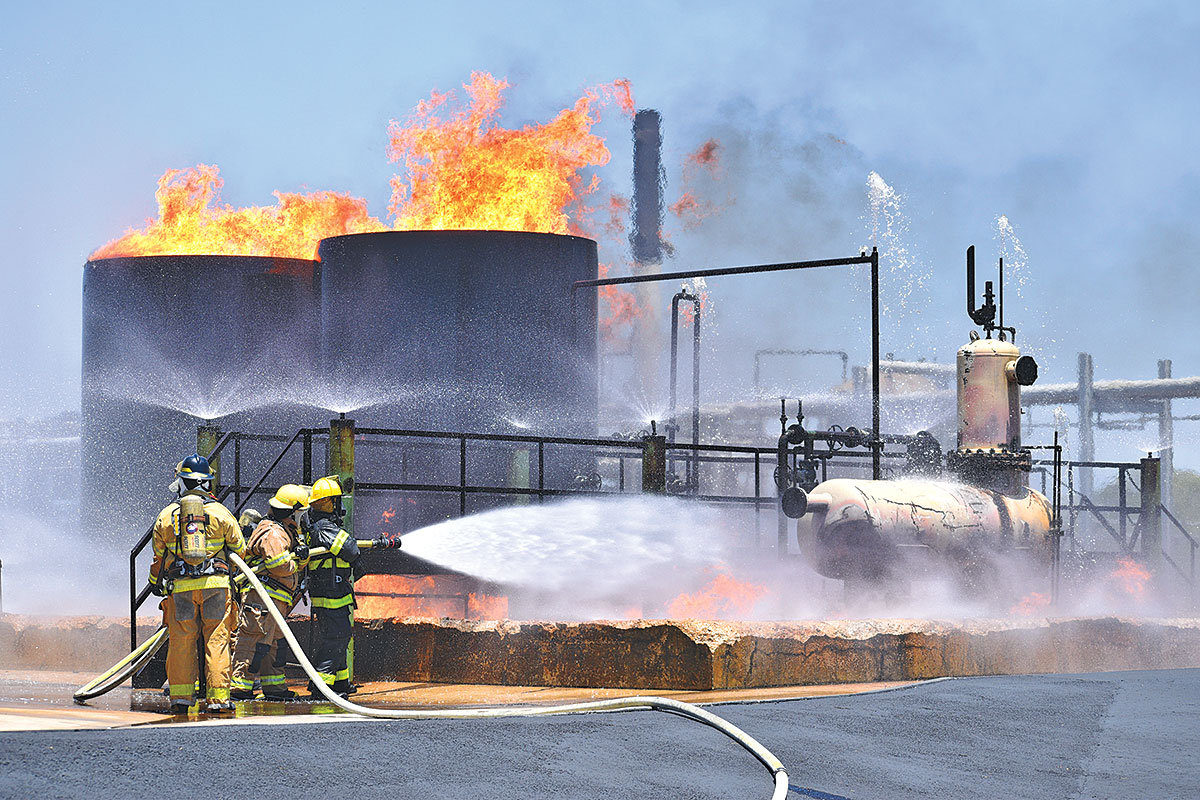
<point x="875" y="527"/>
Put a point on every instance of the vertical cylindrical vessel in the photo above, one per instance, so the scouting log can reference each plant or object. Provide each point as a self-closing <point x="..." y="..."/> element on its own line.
<point x="173" y="342"/>
<point x="464" y="330"/>
<point x="475" y="331"/>
<point x="989" y="402"/>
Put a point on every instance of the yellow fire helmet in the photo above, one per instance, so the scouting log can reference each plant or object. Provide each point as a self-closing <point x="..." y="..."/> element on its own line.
<point x="325" y="487"/>
<point x="290" y="497"/>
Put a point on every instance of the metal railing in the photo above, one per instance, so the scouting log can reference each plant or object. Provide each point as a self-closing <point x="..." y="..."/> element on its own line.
<point x="620" y="451"/>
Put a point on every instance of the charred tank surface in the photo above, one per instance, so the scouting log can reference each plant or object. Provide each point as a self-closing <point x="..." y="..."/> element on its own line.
<point x="464" y="331"/>
<point x="170" y="342"/>
<point x="469" y="330"/>
<point x="880" y="530"/>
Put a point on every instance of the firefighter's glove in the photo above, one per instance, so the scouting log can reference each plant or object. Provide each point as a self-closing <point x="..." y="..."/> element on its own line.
<point x="158" y="589"/>
<point x="389" y="542"/>
<point x="300" y="551"/>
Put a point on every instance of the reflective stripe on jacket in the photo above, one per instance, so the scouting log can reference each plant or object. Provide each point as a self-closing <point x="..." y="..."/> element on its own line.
<point x="331" y="581"/>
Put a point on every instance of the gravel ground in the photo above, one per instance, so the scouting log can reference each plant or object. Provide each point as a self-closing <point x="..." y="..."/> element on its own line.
<point x="1110" y="735"/>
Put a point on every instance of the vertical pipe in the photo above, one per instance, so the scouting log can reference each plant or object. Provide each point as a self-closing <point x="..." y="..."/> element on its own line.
<point x="207" y="437"/>
<point x="757" y="500"/>
<point x="1087" y="443"/>
<point x="654" y="463"/>
<point x="674" y="378"/>
<point x="646" y="245"/>
<point x="518" y="473"/>
<point x="541" y="471"/>
<point x="1166" y="439"/>
<point x="876" y="472"/>
<point x="341" y="464"/>
<point x="1151" y="516"/>
<point x="133" y="595"/>
<point x="237" y="471"/>
<point x="1121" y="502"/>
<point x="695" y="481"/>
<point x="307" y="474"/>
<point x="462" y="475"/>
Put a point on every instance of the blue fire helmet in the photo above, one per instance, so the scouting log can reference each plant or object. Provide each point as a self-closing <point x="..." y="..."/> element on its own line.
<point x="195" y="468"/>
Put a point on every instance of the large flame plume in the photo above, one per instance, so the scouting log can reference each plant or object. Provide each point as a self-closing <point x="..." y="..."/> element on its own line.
<point x="193" y="221"/>
<point x="464" y="171"/>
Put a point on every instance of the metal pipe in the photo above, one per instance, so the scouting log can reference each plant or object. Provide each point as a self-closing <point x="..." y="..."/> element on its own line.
<point x="1150" y="520"/>
<point x="719" y="271"/>
<point x="207" y="438"/>
<point x="654" y="462"/>
<point x="1166" y="437"/>
<point x="341" y="464"/>
<point x="807" y="352"/>
<point x="1114" y="390"/>
<point x="684" y="295"/>
<point x="876" y="445"/>
<point x="1087" y="442"/>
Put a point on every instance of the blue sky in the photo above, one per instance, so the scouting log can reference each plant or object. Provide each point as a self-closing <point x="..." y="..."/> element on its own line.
<point x="1077" y="120"/>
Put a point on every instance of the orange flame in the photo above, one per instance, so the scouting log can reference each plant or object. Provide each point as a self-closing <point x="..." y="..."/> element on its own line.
<point x="701" y="164"/>
<point x="387" y="516"/>
<point x="1131" y="577"/>
<point x="193" y="221"/>
<point x="622" y="306"/>
<point x="465" y="172"/>
<point x="724" y="597"/>
<point x="438" y="596"/>
<point x="1031" y="604"/>
<point x="486" y="606"/>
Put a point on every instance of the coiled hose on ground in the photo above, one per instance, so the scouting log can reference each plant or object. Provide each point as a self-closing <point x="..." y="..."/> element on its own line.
<point x="765" y="756"/>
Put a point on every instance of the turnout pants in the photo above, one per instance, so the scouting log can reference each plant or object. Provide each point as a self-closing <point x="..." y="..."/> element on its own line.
<point x="199" y="615"/>
<point x="256" y="647"/>
<point x="335" y="647"/>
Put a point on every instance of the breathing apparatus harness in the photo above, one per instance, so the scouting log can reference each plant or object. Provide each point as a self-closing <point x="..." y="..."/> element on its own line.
<point x="192" y="559"/>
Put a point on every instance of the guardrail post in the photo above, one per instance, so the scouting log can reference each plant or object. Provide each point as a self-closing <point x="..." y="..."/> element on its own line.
<point x="341" y="464"/>
<point x="518" y="473"/>
<point x="207" y="437"/>
<point x="654" y="462"/>
<point x="1150" y="520"/>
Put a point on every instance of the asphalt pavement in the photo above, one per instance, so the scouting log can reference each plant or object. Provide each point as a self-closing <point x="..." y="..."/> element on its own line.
<point x="1109" y="735"/>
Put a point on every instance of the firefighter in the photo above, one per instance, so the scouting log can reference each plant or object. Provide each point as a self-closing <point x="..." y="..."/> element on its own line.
<point x="191" y="571"/>
<point x="279" y="546"/>
<point x="331" y="585"/>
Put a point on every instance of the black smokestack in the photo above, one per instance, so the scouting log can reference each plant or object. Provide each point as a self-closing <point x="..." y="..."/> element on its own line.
<point x="648" y="179"/>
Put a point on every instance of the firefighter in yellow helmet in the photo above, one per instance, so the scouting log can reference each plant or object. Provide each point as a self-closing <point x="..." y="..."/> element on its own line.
<point x="331" y="584"/>
<point x="190" y="568"/>
<point x="279" y="546"/>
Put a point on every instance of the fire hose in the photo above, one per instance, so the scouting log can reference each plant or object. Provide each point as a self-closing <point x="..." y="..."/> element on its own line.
<point x="765" y="756"/>
<point x="131" y="664"/>
<point x="137" y="659"/>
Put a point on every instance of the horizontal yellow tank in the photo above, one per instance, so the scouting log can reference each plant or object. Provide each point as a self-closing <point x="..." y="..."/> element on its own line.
<point x="878" y="529"/>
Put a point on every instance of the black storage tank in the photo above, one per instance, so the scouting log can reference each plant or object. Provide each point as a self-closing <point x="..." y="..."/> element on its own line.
<point x="172" y="342"/>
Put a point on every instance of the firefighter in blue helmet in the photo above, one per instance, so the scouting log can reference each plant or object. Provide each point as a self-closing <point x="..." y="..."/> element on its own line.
<point x="192" y="537"/>
<point x="331" y="584"/>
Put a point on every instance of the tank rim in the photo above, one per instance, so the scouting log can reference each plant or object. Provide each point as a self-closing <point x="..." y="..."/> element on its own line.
<point x="472" y="232"/>
<point x="196" y="256"/>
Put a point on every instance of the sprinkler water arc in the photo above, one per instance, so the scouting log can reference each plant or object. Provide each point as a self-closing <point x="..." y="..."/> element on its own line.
<point x="765" y="756"/>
